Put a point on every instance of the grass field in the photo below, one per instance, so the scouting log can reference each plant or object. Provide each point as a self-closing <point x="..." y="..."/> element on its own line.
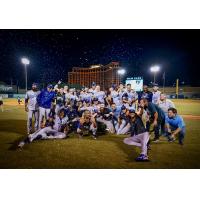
<point x="106" y="152"/>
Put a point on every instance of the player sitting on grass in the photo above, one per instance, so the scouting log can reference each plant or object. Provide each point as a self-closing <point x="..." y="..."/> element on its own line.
<point x="123" y="121"/>
<point x="139" y="135"/>
<point x="51" y="129"/>
<point x="104" y="116"/>
<point x="87" y="123"/>
<point x="175" y="126"/>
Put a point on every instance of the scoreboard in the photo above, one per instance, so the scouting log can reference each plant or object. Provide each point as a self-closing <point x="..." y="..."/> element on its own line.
<point x="136" y="83"/>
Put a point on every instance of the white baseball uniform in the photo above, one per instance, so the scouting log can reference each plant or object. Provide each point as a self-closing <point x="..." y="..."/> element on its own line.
<point x="31" y="97"/>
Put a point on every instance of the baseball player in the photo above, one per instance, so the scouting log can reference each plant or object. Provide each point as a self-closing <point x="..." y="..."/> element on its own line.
<point x="115" y="96"/>
<point x="121" y="91"/>
<point x="165" y="103"/>
<point x="115" y="111"/>
<point x="139" y="135"/>
<point x="100" y="95"/>
<point x="105" y="117"/>
<point x="95" y="105"/>
<point x="132" y="95"/>
<point x="145" y="94"/>
<point x="50" y="130"/>
<point x="85" y="95"/>
<point x="71" y="97"/>
<point x="31" y="107"/>
<point x="124" y="125"/>
<point x="87" y="123"/>
<point x="156" y="94"/>
<point x="45" y="100"/>
<point x="60" y="99"/>
<point x="157" y="117"/>
<point x="19" y="100"/>
<point x="92" y="90"/>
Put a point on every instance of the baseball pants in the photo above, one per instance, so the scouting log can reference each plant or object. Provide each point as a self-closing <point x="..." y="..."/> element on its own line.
<point x="139" y="140"/>
<point x="43" y="114"/>
<point x="46" y="133"/>
<point x="32" y="113"/>
<point x="123" y="128"/>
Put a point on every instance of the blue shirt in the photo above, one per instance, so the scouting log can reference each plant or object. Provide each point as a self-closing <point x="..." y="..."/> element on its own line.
<point x="175" y="122"/>
<point x="45" y="98"/>
<point x="152" y="108"/>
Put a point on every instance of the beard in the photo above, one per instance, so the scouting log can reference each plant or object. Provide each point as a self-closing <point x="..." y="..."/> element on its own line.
<point x="34" y="89"/>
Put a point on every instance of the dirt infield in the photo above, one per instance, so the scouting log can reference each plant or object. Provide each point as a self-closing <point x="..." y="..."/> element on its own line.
<point x="194" y="117"/>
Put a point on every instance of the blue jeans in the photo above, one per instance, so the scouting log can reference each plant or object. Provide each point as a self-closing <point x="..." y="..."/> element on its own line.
<point x="181" y="134"/>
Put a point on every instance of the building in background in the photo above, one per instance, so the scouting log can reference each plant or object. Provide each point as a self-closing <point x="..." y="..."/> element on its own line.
<point x="102" y="75"/>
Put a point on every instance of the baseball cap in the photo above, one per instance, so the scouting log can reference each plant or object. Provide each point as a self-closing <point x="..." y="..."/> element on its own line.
<point x="114" y="86"/>
<point x="131" y="111"/>
<point x="123" y="107"/>
<point x="87" y="101"/>
<point x="93" y="84"/>
<point x="125" y="95"/>
<point x="50" y="86"/>
<point x="35" y="84"/>
<point x="155" y="85"/>
<point x="95" y="99"/>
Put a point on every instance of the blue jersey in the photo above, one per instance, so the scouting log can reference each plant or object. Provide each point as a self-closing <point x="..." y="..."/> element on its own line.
<point x="45" y="98"/>
<point x="72" y="114"/>
<point x="175" y="122"/>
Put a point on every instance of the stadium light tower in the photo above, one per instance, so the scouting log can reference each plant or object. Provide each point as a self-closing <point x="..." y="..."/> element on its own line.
<point x="25" y="62"/>
<point x="155" y="69"/>
<point x="121" y="71"/>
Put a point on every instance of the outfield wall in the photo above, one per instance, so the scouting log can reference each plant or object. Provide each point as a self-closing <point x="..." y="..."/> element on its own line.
<point x="184" y="92"/>
<point x="22" y="96"/>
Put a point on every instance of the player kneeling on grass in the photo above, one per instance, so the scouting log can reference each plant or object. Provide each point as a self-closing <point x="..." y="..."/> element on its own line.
<point x="50" y="130"/>
<point x="87" y="123"/>
<point x="175" y="126"/>
<point x="139" y="135"/>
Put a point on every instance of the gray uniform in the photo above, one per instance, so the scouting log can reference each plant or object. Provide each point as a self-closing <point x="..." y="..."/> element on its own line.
<point x="156" y="97"/>
<point x="31" y="97"/>
<point x="165" y="105"/>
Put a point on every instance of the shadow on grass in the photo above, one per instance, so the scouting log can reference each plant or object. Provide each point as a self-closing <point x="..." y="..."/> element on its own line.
<point x="10" y="125"/>
<point x="130" y="151"/>
<point x="14" y="126"/>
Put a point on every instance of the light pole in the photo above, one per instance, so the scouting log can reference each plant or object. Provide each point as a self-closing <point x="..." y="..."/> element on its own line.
<point x="154" y="70"/>
<point x="25" y="62"/>
<point x="121" y="72"/>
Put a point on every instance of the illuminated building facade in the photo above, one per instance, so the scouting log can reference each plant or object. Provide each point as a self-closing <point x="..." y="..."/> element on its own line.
<point x="104" y="76"/>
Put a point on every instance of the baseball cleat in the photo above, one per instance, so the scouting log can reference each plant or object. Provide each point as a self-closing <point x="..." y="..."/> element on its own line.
<point x="142" y="158"/>
<point x="21" y="144"/>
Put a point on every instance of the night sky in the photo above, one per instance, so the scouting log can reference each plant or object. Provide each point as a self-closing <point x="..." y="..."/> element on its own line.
<point x="53" y="53"/>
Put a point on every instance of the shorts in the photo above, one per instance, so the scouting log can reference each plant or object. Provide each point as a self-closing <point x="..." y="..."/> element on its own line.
<point x="1" y="102"/>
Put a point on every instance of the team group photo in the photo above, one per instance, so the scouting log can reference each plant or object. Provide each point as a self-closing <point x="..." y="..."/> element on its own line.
<point x="60" y="108"/>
